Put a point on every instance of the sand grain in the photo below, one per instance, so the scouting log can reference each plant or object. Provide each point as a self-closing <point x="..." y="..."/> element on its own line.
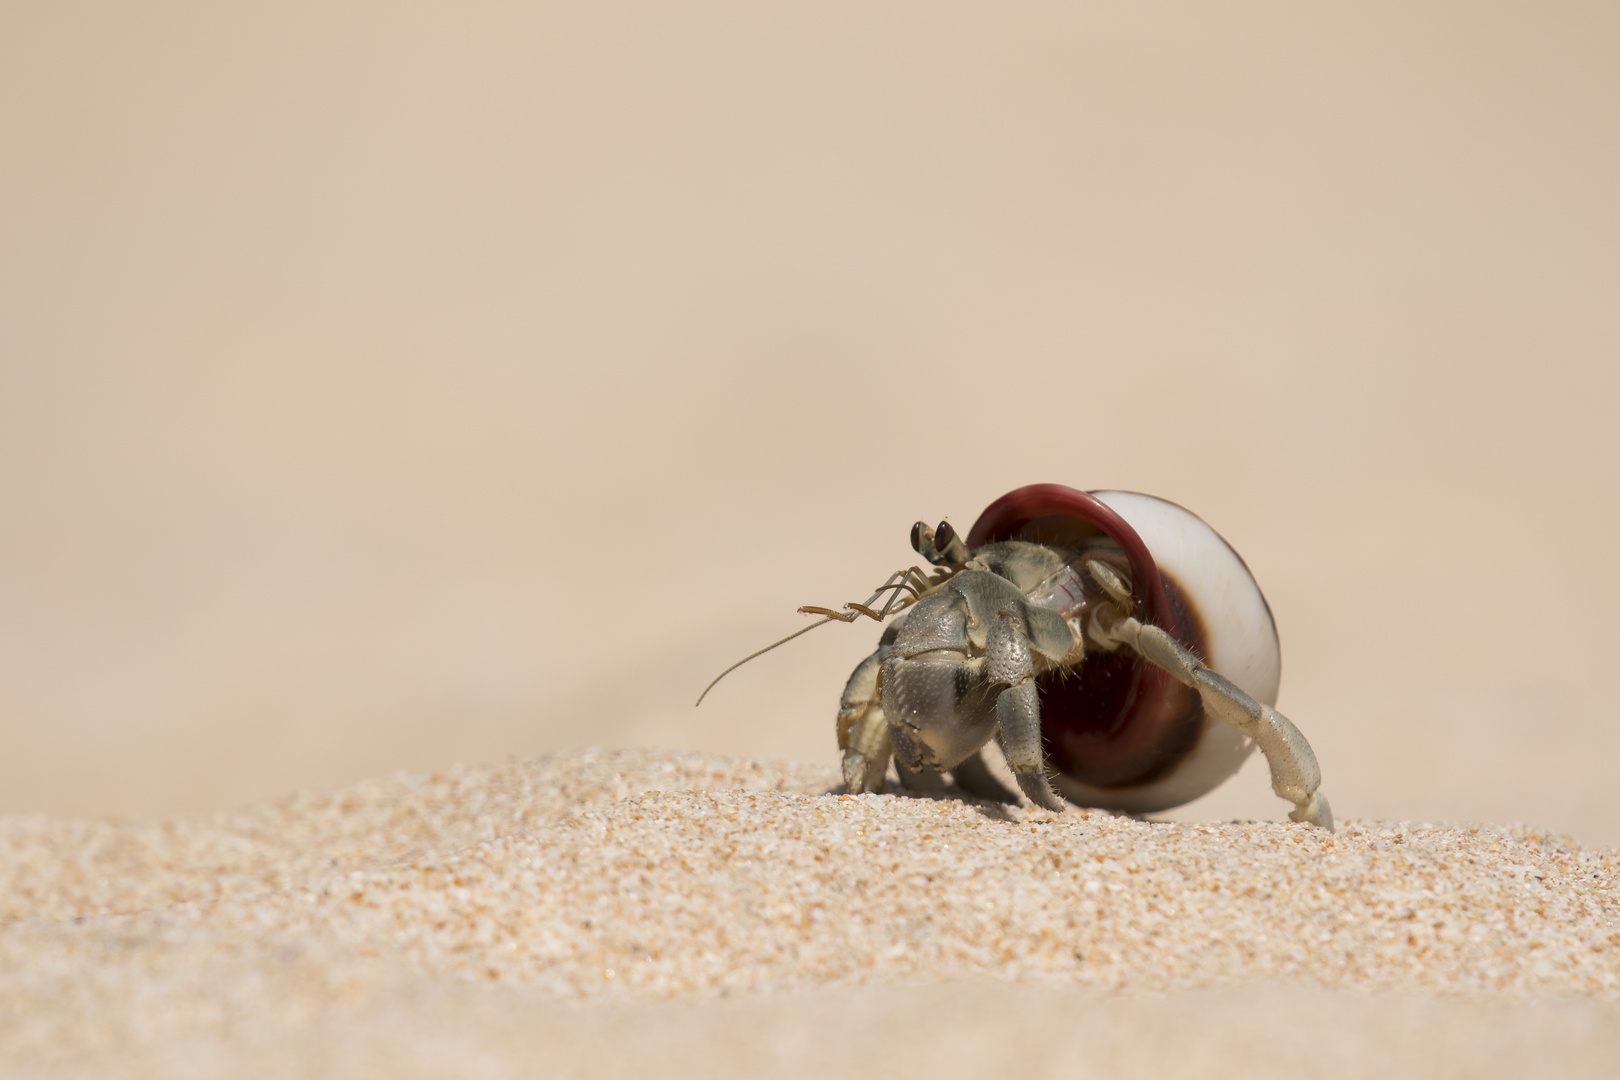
<point x="615" y="881"/>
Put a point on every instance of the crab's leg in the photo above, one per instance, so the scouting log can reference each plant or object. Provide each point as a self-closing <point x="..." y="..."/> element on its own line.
<point x="1295" y="775"/>
<point x="863" y="730"/>
<point x="1018" y="707"/>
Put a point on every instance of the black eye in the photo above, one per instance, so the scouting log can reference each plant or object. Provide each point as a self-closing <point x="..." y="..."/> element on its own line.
<point x="943" y="536"/>
<point x="917" y="537"/>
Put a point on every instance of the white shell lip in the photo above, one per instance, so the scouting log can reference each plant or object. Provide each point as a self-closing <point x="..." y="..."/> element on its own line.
<point x="1240" y="641"/>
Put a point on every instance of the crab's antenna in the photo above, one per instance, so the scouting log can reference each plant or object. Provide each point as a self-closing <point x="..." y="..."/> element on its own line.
<point x="900" y="582"/>
<point x="896" y="587"/>
<point x="761" y="652"/>
<point x="830" y="616"/>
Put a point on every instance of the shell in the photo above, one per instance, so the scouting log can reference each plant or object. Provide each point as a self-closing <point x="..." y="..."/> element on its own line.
<point x="1121" y="734"/>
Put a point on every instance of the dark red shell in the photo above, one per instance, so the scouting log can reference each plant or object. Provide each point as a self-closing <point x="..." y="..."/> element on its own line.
<point x="1006" y="518"/>
<point x="1118" y="721"/>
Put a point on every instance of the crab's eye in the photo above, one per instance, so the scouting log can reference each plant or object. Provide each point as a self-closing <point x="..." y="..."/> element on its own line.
<point x="917" y="537"/>
<point x="943" y="536"/>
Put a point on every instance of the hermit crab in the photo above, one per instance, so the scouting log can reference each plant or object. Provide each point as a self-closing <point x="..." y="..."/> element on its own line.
<point x="1111" y="643"/>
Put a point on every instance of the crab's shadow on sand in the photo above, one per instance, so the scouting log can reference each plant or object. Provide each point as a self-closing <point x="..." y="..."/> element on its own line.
<point x="993" y="809"/>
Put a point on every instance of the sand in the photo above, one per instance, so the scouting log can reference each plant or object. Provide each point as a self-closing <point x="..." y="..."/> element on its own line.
<point x="619" y="913"/>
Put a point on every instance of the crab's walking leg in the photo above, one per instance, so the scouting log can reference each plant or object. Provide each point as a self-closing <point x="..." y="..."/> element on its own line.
<point x="863" y="730"/>
<point x="1018" y="708"/>
<point x="1294" y="772"/>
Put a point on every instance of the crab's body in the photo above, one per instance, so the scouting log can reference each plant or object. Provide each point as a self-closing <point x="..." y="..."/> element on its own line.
<point x="1111" y="643"/>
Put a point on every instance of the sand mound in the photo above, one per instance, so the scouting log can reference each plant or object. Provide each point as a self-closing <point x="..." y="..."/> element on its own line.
<point x="596" y="908"/>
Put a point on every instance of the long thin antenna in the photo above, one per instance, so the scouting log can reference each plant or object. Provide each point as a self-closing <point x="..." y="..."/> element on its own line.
<point x="761" y="652"/>
<point x="897" y="602"/>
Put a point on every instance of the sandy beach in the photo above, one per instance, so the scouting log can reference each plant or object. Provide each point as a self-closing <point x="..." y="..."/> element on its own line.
<point x="605" y="911"/>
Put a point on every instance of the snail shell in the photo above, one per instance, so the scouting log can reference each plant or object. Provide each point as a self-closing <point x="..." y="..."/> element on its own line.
<point x="1120" y="733"/>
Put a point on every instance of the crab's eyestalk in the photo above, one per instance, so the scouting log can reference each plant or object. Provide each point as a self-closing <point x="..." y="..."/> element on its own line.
<point x="940" y="546"/>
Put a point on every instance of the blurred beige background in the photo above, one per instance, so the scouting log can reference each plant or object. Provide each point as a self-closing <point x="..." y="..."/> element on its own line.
<point x="386" y="386"/>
